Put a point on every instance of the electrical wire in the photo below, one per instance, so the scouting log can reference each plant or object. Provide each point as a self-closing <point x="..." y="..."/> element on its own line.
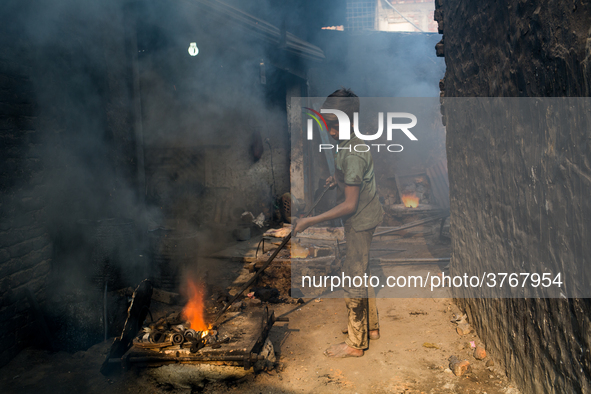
<point x="404" y="17"/>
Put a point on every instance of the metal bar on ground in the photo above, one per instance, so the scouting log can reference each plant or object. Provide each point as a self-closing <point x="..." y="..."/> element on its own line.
<point x="413" y="224"/>
<point x="412" y="260"/>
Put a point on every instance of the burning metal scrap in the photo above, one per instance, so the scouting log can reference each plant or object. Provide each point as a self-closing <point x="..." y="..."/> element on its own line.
<point x="173" y="332"/>
<point x="185" y="337"/>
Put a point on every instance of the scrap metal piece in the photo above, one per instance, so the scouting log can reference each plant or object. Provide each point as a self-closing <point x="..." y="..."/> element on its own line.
<point x="136" y="314"/>
<point x="177" y="338"/>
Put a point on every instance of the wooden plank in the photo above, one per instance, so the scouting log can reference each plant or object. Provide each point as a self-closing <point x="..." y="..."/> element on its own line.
<point x="435" y="188"/>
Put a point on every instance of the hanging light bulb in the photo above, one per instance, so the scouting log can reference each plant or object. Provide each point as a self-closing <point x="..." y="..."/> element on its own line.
<point x="193" y="50"/>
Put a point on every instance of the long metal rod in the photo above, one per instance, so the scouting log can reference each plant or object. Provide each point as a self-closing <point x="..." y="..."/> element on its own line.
<point x="155" y="359"/>
<point x="412" y="260"/>
<point x="413" y="224"/>
<point x="268" y="262"/>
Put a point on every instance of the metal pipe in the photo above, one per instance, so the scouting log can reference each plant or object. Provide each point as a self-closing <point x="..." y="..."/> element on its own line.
<point x="412" y="260"/>
<point x="413" y="224"/>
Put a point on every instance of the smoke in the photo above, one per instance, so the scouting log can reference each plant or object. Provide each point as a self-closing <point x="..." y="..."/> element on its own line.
<point x="385" y="65"/>
<point x="201" y="117"/>
<point x="110" y="218"/>
<point x="378" y="64"/>
<point x="111" y="83"/>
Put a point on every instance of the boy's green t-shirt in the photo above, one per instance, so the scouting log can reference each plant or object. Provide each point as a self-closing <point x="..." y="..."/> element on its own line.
<point x="356" y="169"/>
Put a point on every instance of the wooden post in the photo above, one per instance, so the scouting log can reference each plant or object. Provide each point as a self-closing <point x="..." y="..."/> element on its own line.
<point x="297" y="167"/>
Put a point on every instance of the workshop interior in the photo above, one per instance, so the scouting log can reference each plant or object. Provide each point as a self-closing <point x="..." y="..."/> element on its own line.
<point x="156" y="156"/>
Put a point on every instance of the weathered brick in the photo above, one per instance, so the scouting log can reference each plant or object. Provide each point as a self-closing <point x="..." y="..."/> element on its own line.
<point x="34" y="284"/>
<point x="40" y="242"/>
<point x="24" y="220"/>
<point x="22" y="248"/>
<point x="7" y="312"/>
<point x="10" y="267"/>
<point x="47" y="252"/>
<point x="8" y="139"/>
<point x="5" y="224"/>
<point x="22" y="306"/>
<point x="5" y="290"/>
<point x="21" y="277"/>
<point x="31" y="275"/>
<point x="27" y="122"/>
<point x="4" y="256"/>
<point x="521" y="196"/>
<point x="6" y="81"/>
<point x="8" y="353"/>
<point x="7" y="340"/>
<point x="35" y="165"/>
<point x="32" y="232"/>
<point x="42" y="269"/>
<point x="32" y="259"/>
<point x="10" y="238"/>
<point x="16" y="322"/>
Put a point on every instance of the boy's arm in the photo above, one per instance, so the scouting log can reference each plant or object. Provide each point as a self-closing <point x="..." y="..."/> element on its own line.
<point x="345" y="208"/>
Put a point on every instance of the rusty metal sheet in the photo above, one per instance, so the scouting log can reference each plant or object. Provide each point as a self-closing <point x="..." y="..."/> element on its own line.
<point x="439" y="183"/>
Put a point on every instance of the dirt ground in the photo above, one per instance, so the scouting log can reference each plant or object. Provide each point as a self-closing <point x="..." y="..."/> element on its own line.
<point x="417" y="338"/>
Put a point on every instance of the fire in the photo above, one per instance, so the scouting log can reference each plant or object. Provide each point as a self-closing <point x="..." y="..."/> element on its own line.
<point x="410" y="200"/>
<point x="194" y="311"/>
<point x="298" y="251"/>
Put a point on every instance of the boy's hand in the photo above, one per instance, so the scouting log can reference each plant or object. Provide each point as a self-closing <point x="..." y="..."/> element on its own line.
<point x="330" y="182"/>
<point x="301" y="225"/>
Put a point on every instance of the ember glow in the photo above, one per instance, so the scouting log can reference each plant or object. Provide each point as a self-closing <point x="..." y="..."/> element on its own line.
<point x="298" y="251"/>
<point x="410" y="200"/>
<point x="194" y="311"/>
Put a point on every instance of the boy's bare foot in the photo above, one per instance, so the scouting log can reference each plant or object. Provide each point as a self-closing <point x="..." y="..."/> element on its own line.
<point x="342" y="350"/>
<point x="373" y="334"/>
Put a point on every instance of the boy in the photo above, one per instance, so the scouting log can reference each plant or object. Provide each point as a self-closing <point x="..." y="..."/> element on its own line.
<point x="362" y="212"/>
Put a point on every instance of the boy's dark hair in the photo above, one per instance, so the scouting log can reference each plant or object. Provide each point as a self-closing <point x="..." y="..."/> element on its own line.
<point x="344" y="100"/>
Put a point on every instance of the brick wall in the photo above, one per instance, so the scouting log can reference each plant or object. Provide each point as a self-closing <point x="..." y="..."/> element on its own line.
<point x="25" y="248"/>
<point x="66" y="146"/>
<point x="521" y="49"/>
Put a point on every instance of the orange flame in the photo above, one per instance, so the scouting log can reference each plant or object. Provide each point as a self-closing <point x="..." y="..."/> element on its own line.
<point x="410" y="200"/>
<point x="194" y="311"/>
<point x="298" y="251"/>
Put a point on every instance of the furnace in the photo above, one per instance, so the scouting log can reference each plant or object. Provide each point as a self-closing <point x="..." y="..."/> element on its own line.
<point x="238" y="338"/>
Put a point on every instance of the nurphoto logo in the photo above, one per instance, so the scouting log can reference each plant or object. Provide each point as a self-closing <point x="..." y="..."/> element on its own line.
<point x="344" y="129"/>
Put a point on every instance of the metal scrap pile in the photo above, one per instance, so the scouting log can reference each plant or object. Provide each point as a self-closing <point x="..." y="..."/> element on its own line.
<point x="174" y="331"/>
